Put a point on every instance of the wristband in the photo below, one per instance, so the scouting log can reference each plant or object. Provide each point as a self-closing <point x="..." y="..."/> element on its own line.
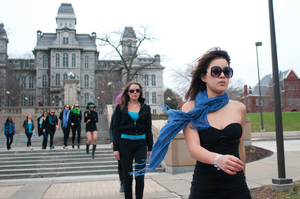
<point x="216" y="161"/>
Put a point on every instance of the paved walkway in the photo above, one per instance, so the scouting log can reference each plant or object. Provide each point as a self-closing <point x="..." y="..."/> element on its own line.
<point x="157" y="185"/>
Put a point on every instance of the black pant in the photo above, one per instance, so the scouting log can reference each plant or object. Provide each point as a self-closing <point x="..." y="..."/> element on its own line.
<point x="9" y="140"/>
<point x="29" y="135"/>
<point x="66" y="132"/>
<point x="45" y="135"/>
<point x="130" y="149"/>
<point x="74" y="128"/>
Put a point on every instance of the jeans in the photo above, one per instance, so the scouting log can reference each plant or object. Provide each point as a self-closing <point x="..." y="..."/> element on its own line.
<point x="45" y="140"/>
<point x="129" y="150"/>
<point x="74" y="128"/>
<point x="29" y="135"/>
<point x="66" y="132"/>
<point x="9" y="140"/>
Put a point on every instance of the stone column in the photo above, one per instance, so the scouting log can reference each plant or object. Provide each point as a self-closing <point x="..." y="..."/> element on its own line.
<point x="70" y="90"/>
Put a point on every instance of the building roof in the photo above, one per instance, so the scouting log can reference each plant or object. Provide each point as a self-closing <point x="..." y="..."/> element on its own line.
<point x="129" y="33"/>
<point x="2" y="30"/>
<point x="66" y="8"/>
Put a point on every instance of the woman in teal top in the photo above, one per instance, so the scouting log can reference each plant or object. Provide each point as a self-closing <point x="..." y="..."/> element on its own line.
<point x="9" y="131"/>
<point x="28" y="126"/>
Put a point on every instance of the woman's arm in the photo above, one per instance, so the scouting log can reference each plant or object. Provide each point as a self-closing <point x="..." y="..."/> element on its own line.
<point x="242" y="109"/>
<point x="116" y="127"/>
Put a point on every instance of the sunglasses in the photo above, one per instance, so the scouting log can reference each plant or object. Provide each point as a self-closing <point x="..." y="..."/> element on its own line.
<point x="52" y="112"/>
<point x="132" y="90"/>
<point x="216" y="71"/>
<point x="76" y="106"/>
<point x="91" y="107"/>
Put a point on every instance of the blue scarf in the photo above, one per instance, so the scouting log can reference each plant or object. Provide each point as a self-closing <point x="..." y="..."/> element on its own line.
<point x="177" y="121"/>
<point x="65" y="118"/>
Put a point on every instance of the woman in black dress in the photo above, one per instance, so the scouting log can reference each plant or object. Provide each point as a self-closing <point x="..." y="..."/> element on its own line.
<point x="51" y="124"/>
<point x="91" y="118"/>
<point x="76" y="117"/>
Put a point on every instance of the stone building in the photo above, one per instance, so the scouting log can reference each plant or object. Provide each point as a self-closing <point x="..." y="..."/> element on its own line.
<point x="65" y="52"/>
<point x="289" y="92"/>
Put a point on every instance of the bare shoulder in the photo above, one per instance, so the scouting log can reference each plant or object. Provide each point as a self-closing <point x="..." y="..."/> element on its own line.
<point x="188" y="106"/>
<point x="238" y="105"/>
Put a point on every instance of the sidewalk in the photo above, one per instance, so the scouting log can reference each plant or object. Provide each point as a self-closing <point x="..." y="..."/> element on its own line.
<point x="157" y="185"/>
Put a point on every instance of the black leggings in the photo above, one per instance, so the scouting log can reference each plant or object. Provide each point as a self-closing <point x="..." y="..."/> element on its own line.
<point x="29" y="135"/>
<point x="9" y="140"/>
<point x="66" y="134"/>
<point x="45" y="135"/>
<point x="129" y="150"/>
<point x="74" y="128"/>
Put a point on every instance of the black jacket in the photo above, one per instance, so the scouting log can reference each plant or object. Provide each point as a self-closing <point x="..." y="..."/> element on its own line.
<point x="25" y="125"/>
<point x="62" y="118"/>
<point x="49" y="126"/>
<point x="124" y="124"/>
<point x="75" y="118"/>
<point x="6" y="128"/>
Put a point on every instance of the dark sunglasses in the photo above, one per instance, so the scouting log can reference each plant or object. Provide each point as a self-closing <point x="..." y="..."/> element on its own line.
<point x="52" y="112"/>
<point x="76" y="106"/>
<point x="216" y="71"/>
<point x="91" y="107"/>
<point x="132" y="90"/>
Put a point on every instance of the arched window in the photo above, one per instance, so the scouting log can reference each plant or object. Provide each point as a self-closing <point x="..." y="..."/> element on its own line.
<point x="86" y="62"/>
<point x="86" y="81"/>
<point x="57" y="79"/>
<point x="153" y="79"/>
<point x="147" y="98"/>
<point x="23" y="82"/>
<point x="146" y="80"/>
<point x="30" y="100"/>
<point x="153" y="98"/>
<point x="56" y="101"/>
<point x="45" y="61"/>
<point x="65" y="76"/>
<point x="44" y="81"/>
<point x="31" y="82"/>
<point x="44" y="99"/>
<point x="66" y="40"/>
<point x="65" y="60"/>
<point x="23" y="102"/>
<point x="57" y="60"/>
<point x="73" y="60"/>
<point x="86" y="98"/>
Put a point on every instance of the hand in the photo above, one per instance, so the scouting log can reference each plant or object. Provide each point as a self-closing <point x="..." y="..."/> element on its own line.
<point x="85" y="115"/>
<point x="72" y="124"/>
<point x="44" y="130"/>
<point x="57" y="127"/>
<point x="88" y="121"/>
<point x="148" y="154"/>
<point x="112" y="145"/>
<point x="117" y="155"/>
<point x="230" y="164"/>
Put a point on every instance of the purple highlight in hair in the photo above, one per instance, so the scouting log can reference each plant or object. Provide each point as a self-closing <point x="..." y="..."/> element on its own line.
<point x="117" y="99"/>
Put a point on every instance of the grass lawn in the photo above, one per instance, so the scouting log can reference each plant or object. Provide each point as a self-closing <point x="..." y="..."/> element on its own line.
<point x="290" y="121"/>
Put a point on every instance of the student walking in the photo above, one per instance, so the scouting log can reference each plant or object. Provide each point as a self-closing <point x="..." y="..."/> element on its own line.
<point x="51" y="124"/>
<point x="42" y="127"/>
<point x="75" y="118"/>
<point x="91" y="118"/>
<point x="9" y="132"/>
<point x="28" y="125"/>
<point x="65" y="122"/>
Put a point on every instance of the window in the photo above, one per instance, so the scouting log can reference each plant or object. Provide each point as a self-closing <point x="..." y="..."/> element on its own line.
<point x="56" y="101"/>
<point x="45" y="61"/>
<point x="146" y="80"/>
<point x="129" y="48"/>
<point x="86" y="81"/>
<point x="66" y="40"/>
<point x="65" y="60"/>
<point x="100" y="81"/>
<point x="86" y="62"/>
<point x="23" y="82"/>
<point x="153" y="98"/>
<point x="290" y="101"/>
<point x="65" y="76"/>
<point x="31" y="82"/>
<point x="297" y="101"/>
<point x="147" y="98"/>
<point x="256" y="101"/>
<point x="86" y="98"/>
<point x="44" y="81"/>
<point x="154" y="111"/>
<point x="57" y="60"/>
<point x="153" y="80"/>
<point x="23" y="101"/>
<point x="57" y="79"/>
<point x="30" y="102"/>
<point x="44" y="99"/>
<point x="297" y="87"/>
<point x="73" y="60"/>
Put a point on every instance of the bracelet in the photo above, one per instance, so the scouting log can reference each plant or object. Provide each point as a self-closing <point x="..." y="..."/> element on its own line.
<point x="216" y="161"/>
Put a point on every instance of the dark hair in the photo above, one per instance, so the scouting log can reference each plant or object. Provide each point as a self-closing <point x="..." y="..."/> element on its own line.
<point x="10" y="119"/>
<point x="125" y="97"/>
<point x="203" y="62"/>
<point x="44" y="113"/>
<point x="90" y="103"/>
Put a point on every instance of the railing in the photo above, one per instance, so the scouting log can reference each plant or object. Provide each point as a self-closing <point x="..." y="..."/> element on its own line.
<point x="33" y="110"/>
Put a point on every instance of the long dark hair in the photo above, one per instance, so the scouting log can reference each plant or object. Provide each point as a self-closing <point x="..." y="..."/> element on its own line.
<point x="11" y="120"/>
<point x="125" y="97"/>
<point x="203" y="62"/>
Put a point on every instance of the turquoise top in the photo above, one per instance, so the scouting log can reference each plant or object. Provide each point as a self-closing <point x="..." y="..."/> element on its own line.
<point x="134" y="115"/>
<point x="30" y="127"/>
<point x="125" y="136"/>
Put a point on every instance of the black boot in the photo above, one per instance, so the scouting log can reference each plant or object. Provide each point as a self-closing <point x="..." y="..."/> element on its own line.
<point x="93" y="152"/>
<point x="87" y="149"/>
<point x="121" y="177"/>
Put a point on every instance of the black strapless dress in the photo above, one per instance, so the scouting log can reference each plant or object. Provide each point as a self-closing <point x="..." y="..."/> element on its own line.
<point x="208" y="182"/>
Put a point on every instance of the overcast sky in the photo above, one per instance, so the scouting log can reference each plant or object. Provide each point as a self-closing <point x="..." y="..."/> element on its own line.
<point x="184" y="29"/>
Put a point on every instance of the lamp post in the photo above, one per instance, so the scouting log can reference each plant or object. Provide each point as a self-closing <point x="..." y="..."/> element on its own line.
<point x="109" y="92"/>
<point x="260" y="101"/>
<point x="26" y="99"/>
<point x="8" y="93"/>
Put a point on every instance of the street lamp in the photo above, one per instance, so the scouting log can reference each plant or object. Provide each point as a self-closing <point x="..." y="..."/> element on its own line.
<point x="109" y="91"/>
<point x="8" y="93"/>
<point x="26" y="100"/>
<point x="260" y="101"/>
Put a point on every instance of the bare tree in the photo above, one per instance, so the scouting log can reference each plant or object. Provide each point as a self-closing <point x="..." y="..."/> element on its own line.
<point x="126" y="45"/>
<point x="234" y="88"/>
